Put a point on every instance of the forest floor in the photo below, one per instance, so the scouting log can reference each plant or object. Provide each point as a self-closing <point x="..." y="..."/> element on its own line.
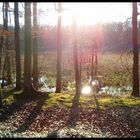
<point x="28" y="118"/>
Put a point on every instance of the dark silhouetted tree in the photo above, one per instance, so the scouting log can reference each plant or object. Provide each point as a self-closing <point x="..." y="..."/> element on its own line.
<point x="27" y="56"/>
<point x="35" y="46"/>
<point x="135" y="91"/>
<point x="17" y="47"/>
<point x="59" y="51"/>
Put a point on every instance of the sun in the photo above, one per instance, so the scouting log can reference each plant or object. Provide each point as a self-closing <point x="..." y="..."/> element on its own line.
<point x="93" y="13"/>
<point x="86" y="90"/>
<point x="85" y="13"/>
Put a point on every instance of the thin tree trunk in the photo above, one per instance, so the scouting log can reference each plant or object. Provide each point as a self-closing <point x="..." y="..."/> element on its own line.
<point x="17" y="48"/>
<point x="1" y="104"/>
<point x="59" y="51"/>
<point x="35" y="47"/>
<point x="92" y="64"/>
<point x="7" y="57"/>
<point x="27" y="56"/>
<point x="1" y="47"/>
<point x="135" y="91"/>
<point x="1" y="42"/>
<point x="96" y="62"/>
<point x="9" y="81"/>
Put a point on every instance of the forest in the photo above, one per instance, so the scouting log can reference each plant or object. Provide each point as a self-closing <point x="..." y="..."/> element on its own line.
<point x="68" y="81"/>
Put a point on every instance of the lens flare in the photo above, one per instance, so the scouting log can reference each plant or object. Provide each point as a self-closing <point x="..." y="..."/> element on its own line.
<point x="86" y="90"/>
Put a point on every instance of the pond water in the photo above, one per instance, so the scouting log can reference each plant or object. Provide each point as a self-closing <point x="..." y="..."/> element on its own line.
<point x="45" y="87"/>
<point x="4" y="81"/>
<point x="110" y="90"/>
<point x="116" y="91"/>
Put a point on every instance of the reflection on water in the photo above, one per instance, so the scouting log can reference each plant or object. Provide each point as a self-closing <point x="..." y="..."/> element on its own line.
<point x="110" y="90"/>
<point x="116" y="91"/>
<point x="45" y="87"/>
<point x="4" y="81"/>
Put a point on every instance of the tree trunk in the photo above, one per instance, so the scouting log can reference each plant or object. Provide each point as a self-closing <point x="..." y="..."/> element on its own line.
<point x="92" y="64"/>
<point x="9" y="81"/>
<point x="35" y="47"/>
<point x="96" y="62"/>
<point x="27" y="56"/>
<point x="1" y="47"/>
<point x="7" y="57"/>
<point x="1" y="104"/>
<point x="17" y="48"/>
<point x="58" y="80"/>
<point x="135" y="91"/>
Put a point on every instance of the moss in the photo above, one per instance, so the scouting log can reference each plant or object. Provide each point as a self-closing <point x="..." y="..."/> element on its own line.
<point x="64" y="100"/>
<point x="34" y="104"/>
<point x="9" y="100"/>
<point x="119" y="102"/>
<point x="58" y="100"/>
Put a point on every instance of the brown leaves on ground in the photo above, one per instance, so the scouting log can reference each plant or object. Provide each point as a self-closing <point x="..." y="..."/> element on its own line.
<point x="32" y="122"/>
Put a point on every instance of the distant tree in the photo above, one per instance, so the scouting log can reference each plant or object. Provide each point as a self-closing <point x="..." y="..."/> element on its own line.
<point x="9" y="81"/>
<point x="92" y="63"/>
<point x="1" y="47"/>
<point x="1" y="104"/>
<point x="59" y="50"/>
<point x="95" y="60"/>
<point x="135" y="91"/>
<point x="6" y="66"/>
<point x="35" y="46"/>
<point x="27" y="56"/>
<point x="17" y="47"/>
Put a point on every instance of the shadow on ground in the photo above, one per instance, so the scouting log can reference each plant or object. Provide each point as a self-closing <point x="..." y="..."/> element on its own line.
<point x="20" y="100"/>
<point x="31" y="118"/>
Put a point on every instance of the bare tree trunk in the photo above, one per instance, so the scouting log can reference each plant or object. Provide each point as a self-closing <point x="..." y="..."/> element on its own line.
<point x="59" y="51"/>
<point x="7" y="57"/>
<point x="35" y="47"/>
<point x="9" y="81"/>
<point x="1" y="46"/>
<point x="96" y="62"/>
<point x="135" y="91"/>
<point x="27" y="56"/>
<point x="1" y="104"/>
<point x="80" y="61"/>
<point x="17" y="48"/>
<point x="92" y="64"/>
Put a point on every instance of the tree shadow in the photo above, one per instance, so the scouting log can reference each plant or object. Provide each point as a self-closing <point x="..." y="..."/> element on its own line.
<point x="74" y="112"/>
<point x="9" y="110"/>
<point x="96" y="102"/>
<point x="53" y="134"/>
<point x="13" y="91"/>
<point x="20" y="100"/>
<point x="33" y="114"/>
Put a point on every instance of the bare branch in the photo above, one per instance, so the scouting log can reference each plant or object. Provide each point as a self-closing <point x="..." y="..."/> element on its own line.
<point x="127" y="20"/>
